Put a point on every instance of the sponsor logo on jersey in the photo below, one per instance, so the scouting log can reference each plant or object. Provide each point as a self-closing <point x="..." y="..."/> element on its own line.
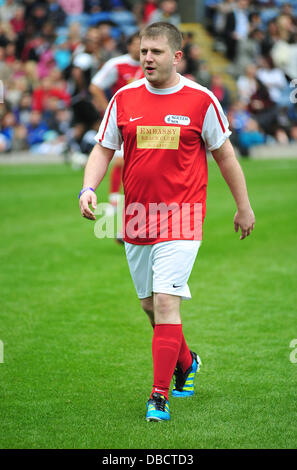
<point x="158" y="137"/>
<point x="174" y="119"/>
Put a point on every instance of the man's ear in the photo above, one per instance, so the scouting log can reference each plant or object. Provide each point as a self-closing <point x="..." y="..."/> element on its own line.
<point x="177" y="57"/>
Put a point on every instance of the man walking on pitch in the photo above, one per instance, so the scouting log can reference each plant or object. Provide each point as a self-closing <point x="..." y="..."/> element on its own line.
<point x="166" y="123"/>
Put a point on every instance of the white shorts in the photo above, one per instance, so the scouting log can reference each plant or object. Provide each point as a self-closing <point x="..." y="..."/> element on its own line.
<point x="164" y="267"/>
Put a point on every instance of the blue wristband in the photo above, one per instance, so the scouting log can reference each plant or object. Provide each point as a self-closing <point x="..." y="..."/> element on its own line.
<point x="85" y="189"/>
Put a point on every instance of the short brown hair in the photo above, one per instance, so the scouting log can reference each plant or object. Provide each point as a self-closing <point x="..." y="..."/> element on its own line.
<point x="131" y="38"/>
<point x="168" y="30"/>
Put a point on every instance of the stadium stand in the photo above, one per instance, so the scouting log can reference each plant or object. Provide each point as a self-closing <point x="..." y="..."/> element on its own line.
<point x="244" y="51"/>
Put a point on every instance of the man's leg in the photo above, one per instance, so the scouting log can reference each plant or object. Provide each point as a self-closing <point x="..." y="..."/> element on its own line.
<point x="185" y="358"/>
<point x="167" y="340"/>
<point x="170" y="347"/>
<point x="167" y="308"/>
<point x="148" y="307"/>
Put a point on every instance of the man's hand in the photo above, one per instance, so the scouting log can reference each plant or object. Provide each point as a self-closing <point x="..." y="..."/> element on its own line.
<point x="245" y="220"/>
<point x="88" y="197"/>
<point x="95" y="170"/>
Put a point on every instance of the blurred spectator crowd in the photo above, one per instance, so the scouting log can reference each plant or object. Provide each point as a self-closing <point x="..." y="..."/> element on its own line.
<point x="50" y="50"/>
<point x="260" y="40"/>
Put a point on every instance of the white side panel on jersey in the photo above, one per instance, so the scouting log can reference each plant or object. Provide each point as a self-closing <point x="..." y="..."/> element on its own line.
<point x="106" y="77"/>
<point x="212" y="132"/>
<point x="109" y="135"/>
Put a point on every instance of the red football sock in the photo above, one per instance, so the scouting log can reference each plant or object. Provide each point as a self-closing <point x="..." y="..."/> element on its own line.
<point x="115" y="179"/>
<point x="185" y="357"/>
<point x="165" y="346"/>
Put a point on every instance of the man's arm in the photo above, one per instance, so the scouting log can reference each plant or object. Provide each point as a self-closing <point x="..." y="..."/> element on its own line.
<point x="104" y="79"/>
<point x="234" y="177"/>
<point x="99" y="97"/>
<point x="95" y="170"/>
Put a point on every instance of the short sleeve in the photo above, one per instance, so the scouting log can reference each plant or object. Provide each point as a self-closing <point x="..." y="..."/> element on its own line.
<point x="106" y="76"/>
<point x="109" y="135"/>
<point x="215" y="129"/>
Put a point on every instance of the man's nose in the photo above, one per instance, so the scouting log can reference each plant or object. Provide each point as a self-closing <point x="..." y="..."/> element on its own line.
<point x="149" y="56"/>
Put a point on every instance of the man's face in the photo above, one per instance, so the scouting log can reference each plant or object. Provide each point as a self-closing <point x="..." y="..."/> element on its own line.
<point x="35" y="118"/>
<point x="133" y="48"/>
<point x="169" y="6"/>
<point x="158" y="61"/>
<point x="243" y="4"/>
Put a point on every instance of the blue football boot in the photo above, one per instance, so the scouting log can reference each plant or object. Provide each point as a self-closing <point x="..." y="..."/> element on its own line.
<point x="157" y="408"/>
<point x="184" y="381"/>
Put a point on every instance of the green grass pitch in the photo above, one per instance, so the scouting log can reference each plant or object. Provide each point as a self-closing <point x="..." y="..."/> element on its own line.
<point x="77" y="367"/>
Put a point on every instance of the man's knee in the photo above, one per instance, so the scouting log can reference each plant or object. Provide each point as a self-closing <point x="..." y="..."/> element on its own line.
<point x="165" y="302"/>
<point x="147" y="304"/>
<point x="167" y="308"/>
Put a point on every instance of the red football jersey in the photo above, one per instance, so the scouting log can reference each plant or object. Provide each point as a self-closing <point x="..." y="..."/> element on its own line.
<point x="165" y="134"/>
<point x="118" y="72"/>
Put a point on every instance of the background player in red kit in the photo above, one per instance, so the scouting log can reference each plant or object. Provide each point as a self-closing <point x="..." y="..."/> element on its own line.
<point x="114" y="74"/>
<point x="166" y="123"/>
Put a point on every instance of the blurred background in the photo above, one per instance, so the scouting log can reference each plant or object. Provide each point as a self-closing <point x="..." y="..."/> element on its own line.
<point x="245" y="51"/>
